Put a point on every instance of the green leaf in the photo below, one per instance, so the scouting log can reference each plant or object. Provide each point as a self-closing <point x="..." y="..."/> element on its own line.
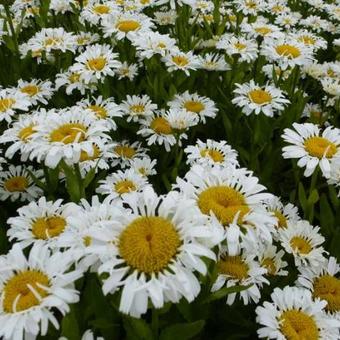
<point x="302" y="197"/>
<point x="219" y="294"/>
<point x="313" y="197"/>
<point x="326" y="215"/>
<point x="72" y="184"/>
<point x="137" y="328"/>
<point x="182" y="331"/>
<point x="69" y="326"/>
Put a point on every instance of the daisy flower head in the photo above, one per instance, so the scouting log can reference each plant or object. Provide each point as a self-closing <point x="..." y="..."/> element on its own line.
<point x="314" y="113"/>
<point x="104" y="109"/>
<point x="213" y="62"/>
<point x="324" y="283"/>
<point x="316" y="23"/>
<point x="72" y="81"/>
<point x="269" y="69"/>
<point x="41" y="220"/>
<point x="94" y="11"/>
<point x="303" y="241"/>
<point x="176" y="237"/>
<point x="32" y="289"/>
<point x="253" y="98"/>
<point x="137" y="107"/>
<point x="284" y="214"/>
<point x="38" y="91"/>
<point x="312" y="147"/>
<point x="228" y="193"/>
<point x="250" y="7"/>
<point x="183" y="61"/>
<point x="95" y="63"/>
<point x="195" y="104"/>
<point x="126" y="25"/>
<point x="121" y="183"/>
<point x="125" y="70"/>
<point x="310" y="39"/>
<point x="262" y="29"/>
<point x="287" y="52"/>
<point x="85" y="39"/>
<point x="165" y="18"/>
<point x="124" y="152"/>
<point x="293" y="313"/>
<point x="61" y="6"/>
<point x="12" y="100"/>
<point x="238" y="267"/>
<point x="240" y="47"/>
<point x="287" y="19"/>
<point x="211" y="153"/>
<point x="68" y="135"/>
<point x="144" y="166"/>
<point x="16" y="184"/>
<point x="19" y="134"/>
<point x="331" y="86"/>
<point x="154" y="43"/>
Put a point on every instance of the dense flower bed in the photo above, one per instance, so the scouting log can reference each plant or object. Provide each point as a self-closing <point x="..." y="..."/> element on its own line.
<point x="169" y="169"/>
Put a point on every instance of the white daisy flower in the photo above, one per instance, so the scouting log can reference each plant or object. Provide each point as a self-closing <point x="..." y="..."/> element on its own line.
<point x="283" y="213"/>
<point x="184" y="61"/>
<point x="165" y="18"/>
<point x="125" y="70"/>
<point x="324" y="283"/>
<point x="167" y="273"/>
<point x="153" y="43"/>
<point x="66" y="135"/>
<point x="303" y="241"/>
<point x="213" y="62"/>
<point x="38" y="91"/>
<point x="94" y="11"/>
<point x="126" y="25"/>
<point x="312" y="147"/>
<point x="124" y="153"/>
<point x="294" y="314"/>
<point x="32" y="288"/>
<point x="287" y="19"/>
<point x="250" y="7"/>
<point x="262" y="29"/>
<point x="61" y="6"/>
<point x="237" y="267"/>
<point x="42" y="220"/>
<point x="121" y="183"/>
<point x="137" y="107"/>
<point x="331" y="86"/>
<point x="310" y="39"/>
<point x="244" y="49"/>
<point x="211" y="153"/>
<point x="287" y="52"/>
<point x="271" y="259"/>
<point x="195" y="104"/>
<point x="253" y="98"/>
<point x="16" y="183"/>
<point x="95" y="63"/>
<point x="316" y="23"/>
<point x="86" y="38"/>
<point x="280" y="74"/>
<point x="105" y="109"/>
<point x="10" y="101"/>
<point x="144" y="166"/>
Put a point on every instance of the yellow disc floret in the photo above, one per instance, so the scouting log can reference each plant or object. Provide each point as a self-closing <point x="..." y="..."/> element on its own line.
<point x="48" y="227"/>
<point x="320" y="147"/>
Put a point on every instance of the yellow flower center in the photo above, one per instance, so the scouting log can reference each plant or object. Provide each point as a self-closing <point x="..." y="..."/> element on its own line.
<point x="101" y="9"/>
<point x="251" y="4"/>
<point x="263" y="30"/>
<point x="48" y="42"/>
<point x="125" y="186"/>
<point x="233" y="266"/>
<point x="87" y="240"/>
<point x="260" y="96"/>
<point x="74" y="77"/>
<point x="289" y="51"/>
<point x="125" y="151"/>
<point x="100" y="111"/>
<point x="300" y="245"/>
<point x="96" y="64"/>
<point x="31" y="90"/>
<point x="180" y="60"/>
<point x="281" y="219"/>
<point x="161" y="125"/>
<point x="297" y="325"/>
<point x="16" y="183"/>
<point x="240" y="46"/>
<point x="137" y="109"/>
<point x="269" y="264"/>
<point x="69" y="133"/>
<point x="48" y="227"/>
<point x="148" y="244"/>
<point x="327" y="288"/>
<point x="84" y="156"/>
<point x="316" y="114"/>
<point x="277" y="9"/>
<point x="25" y="133"/>
<point x="18" y="290"/>
<point x="307" y="40"/>
<point x="215" y="155"/>
<point x="128" y="25"/>
<point x="225" y="202"/>
<point x="6" y="104"/>
<point x="320" y="147"/>
<point x="194" y="106"/>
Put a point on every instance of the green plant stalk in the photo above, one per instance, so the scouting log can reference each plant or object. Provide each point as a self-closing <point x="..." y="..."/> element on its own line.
<point x="11" y="27"/>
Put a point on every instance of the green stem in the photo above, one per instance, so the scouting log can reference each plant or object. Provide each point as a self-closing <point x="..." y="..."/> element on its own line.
<point x="11" y="27"/>
<point x="155" y="322"/>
